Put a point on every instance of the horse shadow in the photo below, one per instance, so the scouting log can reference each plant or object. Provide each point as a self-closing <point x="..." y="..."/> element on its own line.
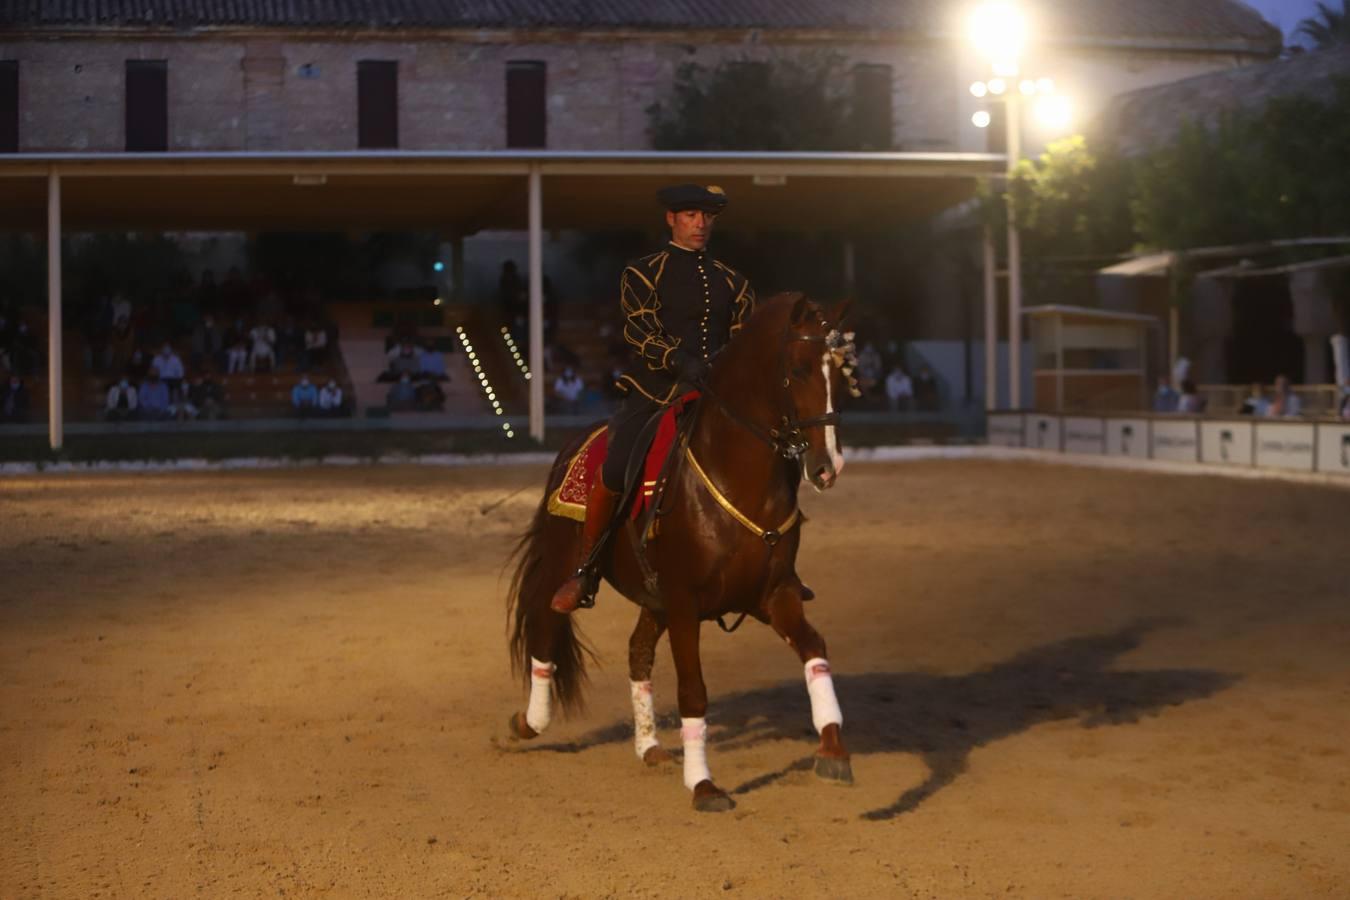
<point x="943" y="718"/>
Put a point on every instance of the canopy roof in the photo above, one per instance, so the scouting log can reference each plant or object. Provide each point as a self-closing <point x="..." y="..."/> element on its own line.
<point x="464" y="192"/>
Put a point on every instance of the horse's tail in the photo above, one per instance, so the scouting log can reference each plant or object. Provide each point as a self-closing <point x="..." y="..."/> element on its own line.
<point x="534" y="627"/>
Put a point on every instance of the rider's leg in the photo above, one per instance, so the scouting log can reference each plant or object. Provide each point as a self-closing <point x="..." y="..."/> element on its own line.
<point x="599" y="513"/>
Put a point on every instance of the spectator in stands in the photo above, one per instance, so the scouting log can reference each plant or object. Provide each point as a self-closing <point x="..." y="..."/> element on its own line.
<point x="290" y="346"/>
<point x="1285" y="402"/>
<point x="122" y="401"/>
<point x="137" y="366"/>
<point x="1256" y="403"/>
<point x="926" y="391"/>
<point x="14" y="401"/>
<point x="121" y="307"/>
<point x="1190" y="400"/>
<point x="899" y="390"/>
<point x="121" y="343"/>
<point x="169" y="367"/>
<point x="262" y="346"/>
<point x="207" y="398"/>
<point x="154" y="397"/>
<point x="428" y="396"/>
<point x="431" y="363"/>
<point x="330" y="399"/>
<point x="402" y="361"/>
<point x="207" y="342"/>
<point x="568" y="390"/>
<point x="869" y="368"/>
<point x="315" y="351"/>
<point x="1165" y="399"/>
<point x="181" y="406"/>
<point x="402" y="395"/>
<point x="304" y="397"/>
<point x="24" y="357"/>
<point x="237" y="359"/>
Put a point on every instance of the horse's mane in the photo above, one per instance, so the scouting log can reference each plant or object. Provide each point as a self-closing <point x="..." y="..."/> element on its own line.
<point x="770" y="317"/>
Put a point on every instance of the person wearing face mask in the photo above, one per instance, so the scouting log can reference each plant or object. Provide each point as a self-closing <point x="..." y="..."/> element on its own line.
<point x="14" y="401"/>
<point x="122" y="401"/>
<point x="330" y="399"/>
<point x="402" y="395"/>
<point x="304" y="397"/>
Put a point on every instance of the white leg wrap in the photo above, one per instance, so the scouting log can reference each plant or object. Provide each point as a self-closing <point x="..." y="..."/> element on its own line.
<point x="824" y="706"/>
<point x="695" y="735"/>
<point x="537" y="714"/>
<point x="644" y="717"/>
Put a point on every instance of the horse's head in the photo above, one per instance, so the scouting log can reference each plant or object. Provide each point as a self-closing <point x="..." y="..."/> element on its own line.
<point x="818" y="364"/>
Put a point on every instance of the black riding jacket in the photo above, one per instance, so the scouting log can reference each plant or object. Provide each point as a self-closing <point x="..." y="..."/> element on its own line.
<point x="677" y="299"/>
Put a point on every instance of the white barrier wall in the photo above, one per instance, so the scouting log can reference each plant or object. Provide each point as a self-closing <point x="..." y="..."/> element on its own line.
<point x="1084" y="435"/>
<point x="1042" y="432"/>
<point x="1177" y="441"/>
<point x="1006" y="429"/>
<point x="1294" y="446"/>
<point x="1281" y="446"/>
<point x="1227" y="443"/>
<point x="1127" y="437"/>
<point x="1333" y="449"/>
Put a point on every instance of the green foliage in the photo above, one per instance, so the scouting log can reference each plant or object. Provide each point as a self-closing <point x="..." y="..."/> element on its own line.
<point x="1074" y="201"/>
<point x="787" y="104"/>
<point x="1330" y="27"/>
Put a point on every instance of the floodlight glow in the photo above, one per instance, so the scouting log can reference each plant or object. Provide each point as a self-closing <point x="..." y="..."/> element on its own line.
<point x="979" y="89"/>
<point x="997" y="86"/>
<point x="998" y="30"/>
<point x="981" y="119"/>
<point x="1027" y="86"/>
<point x="1045" y="85"/>
<point x="1054" y="112"/>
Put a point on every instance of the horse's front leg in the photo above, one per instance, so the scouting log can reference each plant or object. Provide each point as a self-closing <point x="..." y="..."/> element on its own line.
<point x="787" y="618"/>
<point x="641" y="656"/>
<point x="693" y="701"/>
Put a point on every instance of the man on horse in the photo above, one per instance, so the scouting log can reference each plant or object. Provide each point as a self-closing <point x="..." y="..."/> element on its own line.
<point x="680" y="306"/>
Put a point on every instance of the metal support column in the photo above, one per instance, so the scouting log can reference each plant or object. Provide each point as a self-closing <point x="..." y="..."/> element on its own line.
<point x="990" y="323"/>
<point x="55" y="424"/>
<point x="1014" y="258"/>
<point x="536" y="304"/>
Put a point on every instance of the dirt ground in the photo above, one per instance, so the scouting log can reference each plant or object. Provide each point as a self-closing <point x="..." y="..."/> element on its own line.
<point x="1055" y="682"/>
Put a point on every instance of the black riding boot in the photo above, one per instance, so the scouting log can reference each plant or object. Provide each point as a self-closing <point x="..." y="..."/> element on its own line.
<point x="579" y="590"/>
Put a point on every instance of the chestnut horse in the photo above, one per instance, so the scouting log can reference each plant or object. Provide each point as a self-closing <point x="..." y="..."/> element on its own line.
<point x="727" y="542"/>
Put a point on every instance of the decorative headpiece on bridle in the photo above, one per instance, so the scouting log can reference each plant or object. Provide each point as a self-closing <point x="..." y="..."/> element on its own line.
<point x="845" y="355"/>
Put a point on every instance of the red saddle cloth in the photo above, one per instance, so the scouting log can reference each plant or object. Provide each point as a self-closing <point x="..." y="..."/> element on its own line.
<point x="569" y="499"/>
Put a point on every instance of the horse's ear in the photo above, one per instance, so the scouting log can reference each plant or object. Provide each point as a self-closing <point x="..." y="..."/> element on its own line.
<point x="800" y="309"/>
<point x="841" y="311"/>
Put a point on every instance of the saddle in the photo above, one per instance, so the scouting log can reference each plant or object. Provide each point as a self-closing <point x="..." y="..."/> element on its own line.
<point x="656" y="457"/>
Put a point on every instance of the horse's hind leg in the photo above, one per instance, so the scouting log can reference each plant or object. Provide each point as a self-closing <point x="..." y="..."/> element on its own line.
<point x="641" y="656"/>
<point x="787" y="618"/>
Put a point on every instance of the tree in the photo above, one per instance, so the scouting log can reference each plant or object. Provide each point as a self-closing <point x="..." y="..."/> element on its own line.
<point x="1330" y="27"/>
<point x="794" y="103"/>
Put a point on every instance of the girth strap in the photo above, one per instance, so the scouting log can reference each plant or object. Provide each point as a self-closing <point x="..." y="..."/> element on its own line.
<point x="770" y="536"/>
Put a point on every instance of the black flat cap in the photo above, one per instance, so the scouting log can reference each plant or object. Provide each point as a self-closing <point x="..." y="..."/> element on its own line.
<point x="678" y="197"/>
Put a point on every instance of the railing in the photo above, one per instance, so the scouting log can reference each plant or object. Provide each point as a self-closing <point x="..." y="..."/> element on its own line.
<point x="1314" y="399"/>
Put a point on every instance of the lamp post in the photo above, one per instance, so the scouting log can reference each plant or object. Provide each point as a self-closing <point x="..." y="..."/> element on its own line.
<point x="998" y="31"/>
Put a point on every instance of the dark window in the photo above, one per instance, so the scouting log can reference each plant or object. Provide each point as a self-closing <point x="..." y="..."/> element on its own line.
<point x="147" y="105"/>
<point x="377" y="103"/>
<point x="526" y="118"/>
<point x="872" y="106"/>
<point x="9" y="106"/>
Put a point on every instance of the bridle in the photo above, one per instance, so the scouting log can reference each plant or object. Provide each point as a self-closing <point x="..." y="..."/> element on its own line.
<point x="787" y="437"/>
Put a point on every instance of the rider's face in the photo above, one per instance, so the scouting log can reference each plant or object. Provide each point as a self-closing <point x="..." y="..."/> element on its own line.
<point x="690" y="227"/>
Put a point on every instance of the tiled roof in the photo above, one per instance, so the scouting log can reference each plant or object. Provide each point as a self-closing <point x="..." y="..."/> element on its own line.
<point x="1146" y="118"/>
<point x="1196" y="21"/>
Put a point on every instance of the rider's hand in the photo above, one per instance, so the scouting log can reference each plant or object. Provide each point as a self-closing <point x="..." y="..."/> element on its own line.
<point x="689" y="367"/>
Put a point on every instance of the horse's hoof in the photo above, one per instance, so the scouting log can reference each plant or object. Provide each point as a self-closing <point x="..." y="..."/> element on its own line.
<point x="520" y="729"/>
<point x="657" y="756"/>
<point x="708" y="797"/>
<point x="834" y="768"/>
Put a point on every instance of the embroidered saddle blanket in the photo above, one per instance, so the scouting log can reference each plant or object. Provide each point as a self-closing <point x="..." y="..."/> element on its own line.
<point x="569" y="498"/>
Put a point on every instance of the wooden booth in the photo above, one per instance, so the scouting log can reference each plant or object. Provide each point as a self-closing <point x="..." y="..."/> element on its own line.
<point x="1089" y="358"/>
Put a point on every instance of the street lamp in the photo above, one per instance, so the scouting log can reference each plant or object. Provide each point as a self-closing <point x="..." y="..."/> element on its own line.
<point x="998" y="31"/>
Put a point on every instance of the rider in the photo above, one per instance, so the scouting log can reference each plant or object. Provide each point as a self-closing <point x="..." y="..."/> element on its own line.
<point x="680" y="306"/>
